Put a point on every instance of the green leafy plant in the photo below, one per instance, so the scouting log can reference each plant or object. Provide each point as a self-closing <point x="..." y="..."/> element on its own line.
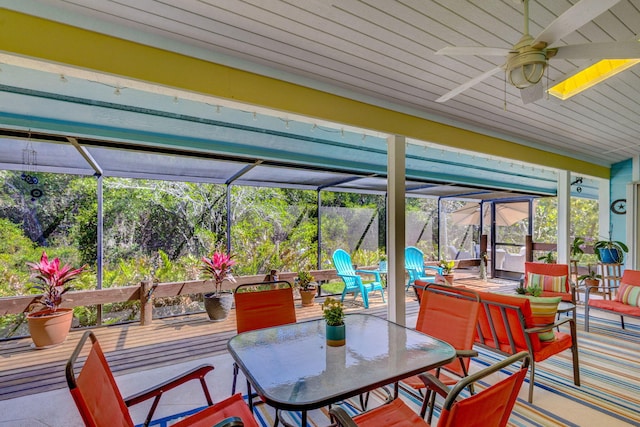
<point x="333" y="312"/>
<point x="50" y="280"/>
<point x="304" y="280"/>
<point x="548" y="258"/>
<point x="218" y="267"/>
<point x="576" y="249"/>
<point x="534" y="290"/>
<point x="592" y="275"/>
<point x="446" y="266"/>
<point x="383" y="256"/>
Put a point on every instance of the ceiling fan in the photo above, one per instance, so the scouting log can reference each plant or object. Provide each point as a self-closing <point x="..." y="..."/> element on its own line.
<point x="526" y="60"/>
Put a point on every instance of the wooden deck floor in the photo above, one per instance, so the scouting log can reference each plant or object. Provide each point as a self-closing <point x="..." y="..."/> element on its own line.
<point x="131" y="348"/>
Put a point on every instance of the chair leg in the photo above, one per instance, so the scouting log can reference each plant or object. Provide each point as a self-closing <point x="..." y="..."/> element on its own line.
<point x="622" y="321"/>
<point x="532" y="373"/>
<point x="236" y="368"/>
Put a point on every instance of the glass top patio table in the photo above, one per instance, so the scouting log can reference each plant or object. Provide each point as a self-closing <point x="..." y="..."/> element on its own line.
<point x="292" y="368"/>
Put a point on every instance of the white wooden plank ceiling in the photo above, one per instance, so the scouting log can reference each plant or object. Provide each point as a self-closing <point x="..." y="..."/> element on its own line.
<point x="382" y="51"/>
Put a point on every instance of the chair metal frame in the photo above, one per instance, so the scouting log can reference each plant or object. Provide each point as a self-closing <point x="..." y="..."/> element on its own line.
<point x="452" y="399"/>
<point x="104" y="395"/>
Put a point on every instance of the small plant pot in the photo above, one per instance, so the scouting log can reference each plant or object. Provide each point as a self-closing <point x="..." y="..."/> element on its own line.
<point x="307" y="297"/>
<point x="49" y="328"/>
<point x="336" y="335"/>
<point x="218" y="306"/>
<point x="446" y="279"/>
<point x="591" y="282"/>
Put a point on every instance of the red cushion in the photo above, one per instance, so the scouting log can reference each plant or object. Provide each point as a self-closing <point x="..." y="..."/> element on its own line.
<point x="547" y="270"/>
<point x="512" y="316"/>
<point x="548" y="349"/>
<point x="616" y="306"/>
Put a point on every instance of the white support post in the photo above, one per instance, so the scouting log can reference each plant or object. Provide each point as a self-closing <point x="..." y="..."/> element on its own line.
<point x="564" y="220"/>
<point x="396" y="150"/>
<point x="604" y="200"/>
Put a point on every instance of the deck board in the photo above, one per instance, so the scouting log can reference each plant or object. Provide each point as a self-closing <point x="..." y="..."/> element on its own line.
<point x="131" y="347"/>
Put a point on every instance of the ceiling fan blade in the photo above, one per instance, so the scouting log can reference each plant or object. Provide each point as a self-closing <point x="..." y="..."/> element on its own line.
<point x="532" y="93"/>
<point x="474" y="50"/>
<point x="612" y="50"/>
<point x="575" y="17"/>
<point x="447" y="96"/>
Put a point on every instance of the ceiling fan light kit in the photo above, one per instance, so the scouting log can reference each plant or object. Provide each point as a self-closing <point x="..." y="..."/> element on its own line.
<point x="526" y="67"/>
<point x="525" y="63"/>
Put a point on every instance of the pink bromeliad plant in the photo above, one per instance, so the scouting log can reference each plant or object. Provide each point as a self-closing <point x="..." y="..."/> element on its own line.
<point x="50" y="280"/>
<point x="218" y="267"/>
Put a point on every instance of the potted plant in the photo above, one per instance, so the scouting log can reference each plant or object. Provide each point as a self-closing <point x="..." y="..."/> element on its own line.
<point x="548" y="258"/>
<point x="307" y="288"/>
<point x="382" y="264"/>
<point x="447" y="270"/>
<point x="50" y="326"/>
<point x="333" y="313"/>
<point x="576" y="249"/>
<point x="610" y="251"/>
<point x="591" y="279"/>
<point x="218" y="267"/>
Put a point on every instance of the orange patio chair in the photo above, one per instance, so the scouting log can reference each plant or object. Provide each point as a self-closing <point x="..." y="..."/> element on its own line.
<point x="100" y="403"/>
<point x="262" y="305"/>
<point x="490" y="407"/>
<point x="554" y="279"/>
<point x="450" y="314"/>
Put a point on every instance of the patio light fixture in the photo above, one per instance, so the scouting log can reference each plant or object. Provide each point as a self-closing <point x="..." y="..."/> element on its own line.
<point x="590" y="76"/>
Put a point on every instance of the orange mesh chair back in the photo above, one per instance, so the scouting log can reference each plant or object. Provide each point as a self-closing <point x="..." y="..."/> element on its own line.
<point x="258" y="306"/>
<point x="100" y="403"/>
<point x="490" y="407"/>
<point x="450" y="314"/>
<point x="258" y="309"/>
<point x="554" y="279"/>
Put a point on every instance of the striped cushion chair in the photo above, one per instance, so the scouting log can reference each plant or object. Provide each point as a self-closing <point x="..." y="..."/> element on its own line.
<point x="552" y="278"/>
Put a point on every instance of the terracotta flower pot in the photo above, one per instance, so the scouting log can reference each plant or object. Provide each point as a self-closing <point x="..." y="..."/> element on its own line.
<point x="307" y="297"/>
<point x="218" y="306"/>
<point x="49" y="328"/>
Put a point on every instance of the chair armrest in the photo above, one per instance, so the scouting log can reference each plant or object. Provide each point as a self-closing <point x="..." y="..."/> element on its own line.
<point x="588" y="289"/>
<point x="434" y="384"/>
<point x="356" y="276"/>
<point x="157" y="391"/>
<point x="434" y="267"/>
<point x="230" y="422"/>
<point x="466" y="353"/>
<point x="376" y="274"/>
<point x="341" y="417"/>
<point x="549" y="326"/>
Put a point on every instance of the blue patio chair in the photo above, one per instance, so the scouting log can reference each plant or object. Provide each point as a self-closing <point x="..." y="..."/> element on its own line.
<point x="414" y="264"/>
<point x="352" y="281"/>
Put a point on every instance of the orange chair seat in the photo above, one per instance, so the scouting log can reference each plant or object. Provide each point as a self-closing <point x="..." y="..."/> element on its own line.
<point x="394" y="414"/>
<point x="234" y="406"/>
<point x="616" y="306"/>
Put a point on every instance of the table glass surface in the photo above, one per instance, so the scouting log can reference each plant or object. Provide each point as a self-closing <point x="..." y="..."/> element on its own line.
<point x="292" y="367"/>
